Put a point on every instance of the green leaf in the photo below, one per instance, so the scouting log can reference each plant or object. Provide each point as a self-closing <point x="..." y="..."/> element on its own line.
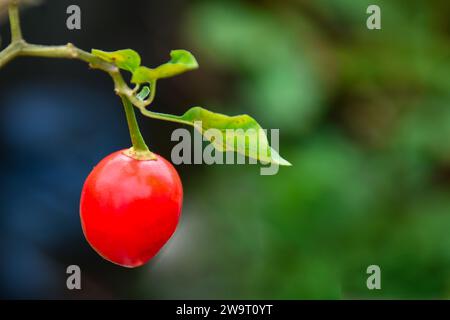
<point x="143" y="75"/>
<point x="247" y="136"/>
<point x="126" y="59"/>
<point x="180" y="62"/>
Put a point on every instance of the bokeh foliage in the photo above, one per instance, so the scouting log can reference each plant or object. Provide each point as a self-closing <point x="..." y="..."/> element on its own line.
<point x="365" y="121"/>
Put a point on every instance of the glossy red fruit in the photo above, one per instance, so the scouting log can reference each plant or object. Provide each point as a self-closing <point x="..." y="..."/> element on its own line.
<point x="129" y="208"/>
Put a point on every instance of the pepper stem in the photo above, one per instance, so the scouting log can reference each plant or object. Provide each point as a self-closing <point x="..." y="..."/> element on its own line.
<point x="139" y="150"/>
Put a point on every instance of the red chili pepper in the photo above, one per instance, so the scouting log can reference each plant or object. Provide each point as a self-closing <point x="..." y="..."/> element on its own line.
<point x="130" y="208"/>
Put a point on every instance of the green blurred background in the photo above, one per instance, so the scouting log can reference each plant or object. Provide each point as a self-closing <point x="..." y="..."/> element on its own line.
<point x="364" y="117"/>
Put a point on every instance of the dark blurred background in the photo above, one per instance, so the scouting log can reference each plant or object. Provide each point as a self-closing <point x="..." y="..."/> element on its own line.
<point x="364" y="117"/>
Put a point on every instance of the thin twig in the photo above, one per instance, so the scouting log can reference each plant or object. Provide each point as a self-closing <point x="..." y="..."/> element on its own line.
<point x="19" y="47"/>
<point x="14" y="21"/>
